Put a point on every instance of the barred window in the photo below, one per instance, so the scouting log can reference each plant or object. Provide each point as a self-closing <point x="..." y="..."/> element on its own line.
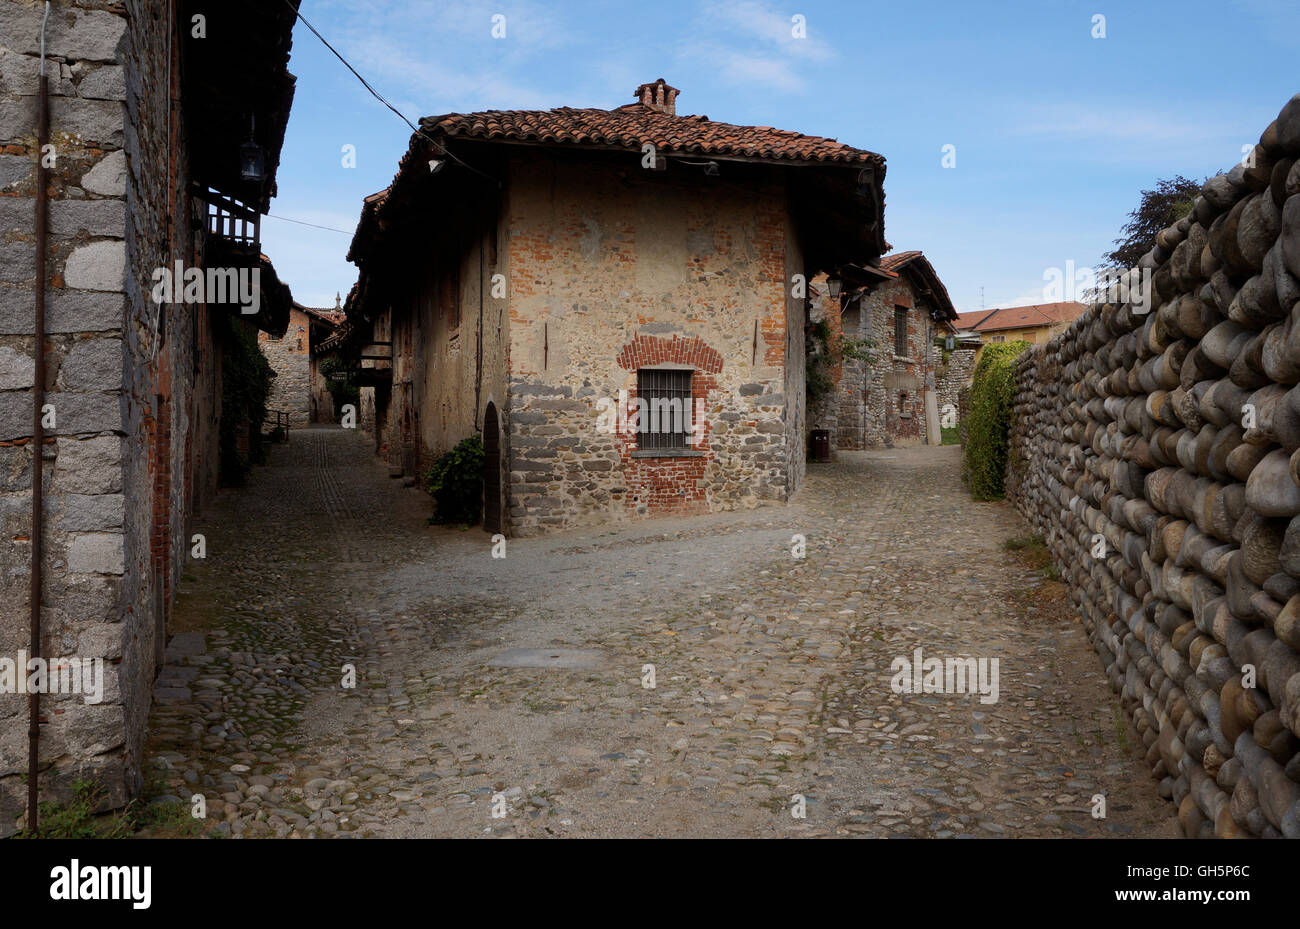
<point x="665" y="416"/>
<point x="900" y="331"/>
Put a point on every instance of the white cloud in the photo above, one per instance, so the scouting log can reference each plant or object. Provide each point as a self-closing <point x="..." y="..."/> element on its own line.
<point x="1116" y="124"/>
<point x="399" y="48"/>
<point x="751" y="43"/>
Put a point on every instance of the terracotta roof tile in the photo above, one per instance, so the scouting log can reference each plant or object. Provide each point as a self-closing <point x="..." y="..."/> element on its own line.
<point x="634" y="125"/>
<point x="897" y="260"/>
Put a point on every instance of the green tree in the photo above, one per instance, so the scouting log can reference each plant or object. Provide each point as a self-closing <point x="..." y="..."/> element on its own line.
<point x="1162" y="206"/>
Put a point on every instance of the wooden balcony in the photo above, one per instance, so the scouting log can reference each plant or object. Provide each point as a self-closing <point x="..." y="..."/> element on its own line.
<point x="376" y="364"/>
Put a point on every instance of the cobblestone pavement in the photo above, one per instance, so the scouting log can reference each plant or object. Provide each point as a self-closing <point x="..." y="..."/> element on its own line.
<point x="772" y="674"/>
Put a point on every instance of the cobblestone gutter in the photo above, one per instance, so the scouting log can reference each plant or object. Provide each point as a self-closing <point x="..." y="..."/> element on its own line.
<point x="1158" y="453"/>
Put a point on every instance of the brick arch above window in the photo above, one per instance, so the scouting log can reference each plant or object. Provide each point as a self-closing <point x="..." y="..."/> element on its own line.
<point x="645" y="351"/>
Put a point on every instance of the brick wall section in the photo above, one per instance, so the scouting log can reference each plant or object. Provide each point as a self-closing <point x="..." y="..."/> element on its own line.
<point x="290" y="359"/>
<point x="1157" y="455"/>
<point x="599" y="264"/>
<point x="665" y="486"/>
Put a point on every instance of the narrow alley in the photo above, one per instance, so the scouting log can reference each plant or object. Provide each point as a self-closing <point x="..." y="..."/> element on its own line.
<point x="771" y="674"/>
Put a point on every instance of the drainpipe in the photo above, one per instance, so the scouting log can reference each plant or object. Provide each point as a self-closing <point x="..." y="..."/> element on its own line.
<point x="38" y="435"/>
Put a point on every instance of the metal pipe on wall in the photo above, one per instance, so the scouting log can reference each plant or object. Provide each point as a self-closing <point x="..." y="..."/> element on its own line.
<point x="38" y="437"/>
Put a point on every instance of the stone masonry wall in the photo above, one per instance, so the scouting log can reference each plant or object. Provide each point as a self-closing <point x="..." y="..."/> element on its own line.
<point x="609" y="274"/>
<point x="950" y="378"/>
<point x="1158" y="454"/>
<point x="85" y="518"/>
<point x="290" y="359"/>
<point x="136" y="408"/>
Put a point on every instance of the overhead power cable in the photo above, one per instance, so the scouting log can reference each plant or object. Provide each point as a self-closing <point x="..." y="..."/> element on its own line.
<point x="380" y="97"/>
<point x="313" y="225"/>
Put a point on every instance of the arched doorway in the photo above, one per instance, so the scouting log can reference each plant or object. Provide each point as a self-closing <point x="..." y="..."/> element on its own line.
<point x="491" y="470"/>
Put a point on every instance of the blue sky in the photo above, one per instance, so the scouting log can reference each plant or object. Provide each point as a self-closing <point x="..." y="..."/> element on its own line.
<point x="1055" y="132"/>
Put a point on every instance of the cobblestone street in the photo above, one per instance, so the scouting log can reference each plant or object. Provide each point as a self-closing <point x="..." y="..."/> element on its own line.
<point x="772" y="674"/>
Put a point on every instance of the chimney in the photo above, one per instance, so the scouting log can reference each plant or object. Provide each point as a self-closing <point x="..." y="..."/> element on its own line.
<point x="658" y="96"/>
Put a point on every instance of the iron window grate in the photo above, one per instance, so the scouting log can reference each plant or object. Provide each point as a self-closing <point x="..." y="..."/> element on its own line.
<point x="665" y="419"/>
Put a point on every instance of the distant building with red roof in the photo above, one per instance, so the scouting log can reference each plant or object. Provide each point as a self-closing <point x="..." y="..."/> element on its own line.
<point x="1035" y="323"/>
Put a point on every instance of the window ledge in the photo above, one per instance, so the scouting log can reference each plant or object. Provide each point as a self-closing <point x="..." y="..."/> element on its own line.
<point x="668" y="453"/>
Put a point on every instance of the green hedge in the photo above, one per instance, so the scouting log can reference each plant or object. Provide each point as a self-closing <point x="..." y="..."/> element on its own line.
<point x="984" y="456"/>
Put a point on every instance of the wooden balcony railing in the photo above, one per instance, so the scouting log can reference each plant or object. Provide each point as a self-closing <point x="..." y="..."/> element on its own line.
<point x="230" y="220"/>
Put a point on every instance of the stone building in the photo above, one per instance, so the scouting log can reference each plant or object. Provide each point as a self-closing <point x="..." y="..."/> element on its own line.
<point x="299" y="390"/>
<point x="585" y="261"/>
<point x="165" y="125"/>
<point x="887" y="395"/>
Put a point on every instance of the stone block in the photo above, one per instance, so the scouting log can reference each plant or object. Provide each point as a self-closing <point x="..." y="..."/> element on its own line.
<point x="89" y="512"/>
<point x="17" y="369"/>
<point x="92" y="217"/>
<point x="18" y="263"/>
<point x="89" y="466"/>
<point x="65" y="311"/>
<point x="74" y="34"/>
<point x="106" y="83"/>
<point x="98" y="122"/>
<point x="94" y="729"/>
<point x="107" y="178"/>
<point x="15" y="468"/>
<point x="96" y="553"/>
<point x="16" y="171"/>
<point x="101" y="640"/>
<point x="97" y="266"/>
<point x="93" y="364"/>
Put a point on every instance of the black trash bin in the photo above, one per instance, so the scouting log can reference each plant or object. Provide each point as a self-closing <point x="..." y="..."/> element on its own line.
<point x="821" y="444"/>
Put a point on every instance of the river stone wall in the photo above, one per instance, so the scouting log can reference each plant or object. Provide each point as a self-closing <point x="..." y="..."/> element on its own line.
<point x="1158" y="454"/>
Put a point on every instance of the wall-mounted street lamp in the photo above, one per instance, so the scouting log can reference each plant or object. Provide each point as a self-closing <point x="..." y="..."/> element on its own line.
<point x="834" y="285"/>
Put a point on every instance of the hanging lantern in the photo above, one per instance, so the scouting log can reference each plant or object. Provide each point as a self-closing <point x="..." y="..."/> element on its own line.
<point x="252" y="165"/>
<point x="252" y="161"/>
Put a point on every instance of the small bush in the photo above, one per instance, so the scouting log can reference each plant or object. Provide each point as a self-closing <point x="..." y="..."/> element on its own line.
<point x="984" y="453"/>
<point x="456" y="483"/>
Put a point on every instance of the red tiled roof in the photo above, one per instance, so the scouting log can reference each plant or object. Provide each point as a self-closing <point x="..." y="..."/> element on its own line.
<point x="972" y="319"/>
<point x="897" y="260"/>
<point x="1021" y="317"/>
<point x="635" y="125"/>
<point x="924" y="276"/>
<point x="849" y="203"/>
